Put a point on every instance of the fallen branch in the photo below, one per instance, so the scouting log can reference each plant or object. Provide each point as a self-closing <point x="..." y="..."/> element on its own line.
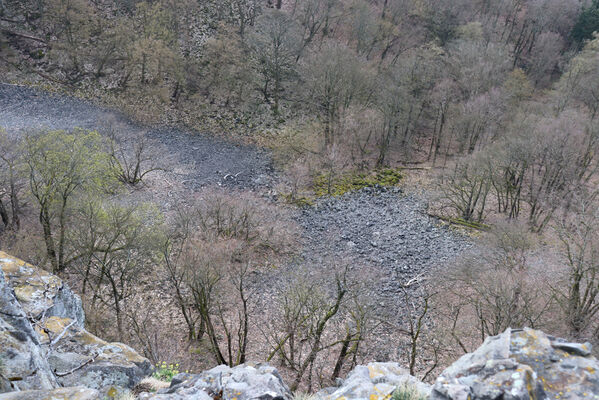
<point x="55" y="340"/>
<point x="461" y="222"/>
<point x="60" y="374"/>
<point x="23" y="35"/>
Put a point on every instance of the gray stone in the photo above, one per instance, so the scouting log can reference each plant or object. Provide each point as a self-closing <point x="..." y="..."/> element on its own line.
<point x="80" y="358"/>
<point x="243" y="382"/>
<point x="521" y="365"/>
<point x="22" y="362"/>
<point x="374" y="381"/>
<point x="40" y="293"/>
<point x="579" y="349"/>
<point x="59" y="351"/>
<point x="70" y="393"/>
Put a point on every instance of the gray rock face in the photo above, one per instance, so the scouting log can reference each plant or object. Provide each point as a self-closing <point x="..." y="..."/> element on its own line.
<point x="22" y="362"/>
<point x="80" y="358"/>
<point x="58" y="351"/>
<point x="243" y="382"/>
<point x="521" y="365"/>
<point x="40" y="294"/>
<point x="374" y="381"/>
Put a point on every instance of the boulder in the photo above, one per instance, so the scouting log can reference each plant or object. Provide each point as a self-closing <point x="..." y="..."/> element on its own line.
<point x="374" y="381"/>
<point x="70" y="393"/>
<point x="43" y="343"/>
<point x="243" y="382"/>
<point x="40" y="293"/>
<point x="79" y="358"/>
<point x="522" y="365"/>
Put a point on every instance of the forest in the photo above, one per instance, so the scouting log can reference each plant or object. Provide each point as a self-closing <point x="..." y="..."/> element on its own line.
<point x="486" y="111"/>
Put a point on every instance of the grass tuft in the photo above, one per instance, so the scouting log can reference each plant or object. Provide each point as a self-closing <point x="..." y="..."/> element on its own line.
<point x="407" y="392"/>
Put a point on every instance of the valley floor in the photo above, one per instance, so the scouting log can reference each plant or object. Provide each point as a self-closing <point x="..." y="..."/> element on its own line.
<point x="383" y="231"/>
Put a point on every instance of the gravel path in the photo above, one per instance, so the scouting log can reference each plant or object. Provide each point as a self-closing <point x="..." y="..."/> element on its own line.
<point x="201" y="160"/>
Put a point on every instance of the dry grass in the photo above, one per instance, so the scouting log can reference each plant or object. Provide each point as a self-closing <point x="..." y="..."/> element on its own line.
<point x="151" y="384"/>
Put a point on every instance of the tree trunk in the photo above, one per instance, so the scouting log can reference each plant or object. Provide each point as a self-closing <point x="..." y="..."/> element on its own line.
<point x="50" y="249"/>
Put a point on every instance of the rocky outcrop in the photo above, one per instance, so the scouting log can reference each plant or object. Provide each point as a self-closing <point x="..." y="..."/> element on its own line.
<point x="375" y="381"/>
<point x="79" y="358"/>
<point x="22" y="361"/>
<point x="243" y="382"/>
<point x="522" y="365"/>
<point x="40" y="294"/>
<point x="43" y="343"/>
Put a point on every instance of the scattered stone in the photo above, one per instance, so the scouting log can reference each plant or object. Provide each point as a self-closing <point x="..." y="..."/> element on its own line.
<point x="203" y="159"/>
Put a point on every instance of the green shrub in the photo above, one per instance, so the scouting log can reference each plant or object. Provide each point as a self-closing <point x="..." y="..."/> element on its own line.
<point x="407" y="392"/>
<point x="165" y="372"/>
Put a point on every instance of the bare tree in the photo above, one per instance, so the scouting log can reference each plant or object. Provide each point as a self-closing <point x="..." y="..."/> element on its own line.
<point x="579" y="294"/>
<point x="132" y="164"/>
<point x="11" y="181"/>
<point x="275" y="43"/>
<point x="117" y="248"/>
<point x="335" y="79"/>
<point x="314" y="317"/>
<point x="209" y="256"/>
<point x="496" y="287"/>
<point x="465" y="187"/>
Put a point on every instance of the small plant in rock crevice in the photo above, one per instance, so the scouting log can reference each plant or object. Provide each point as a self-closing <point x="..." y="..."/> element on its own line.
<point x="407" y="392"/>
<point x="165" y="372"/>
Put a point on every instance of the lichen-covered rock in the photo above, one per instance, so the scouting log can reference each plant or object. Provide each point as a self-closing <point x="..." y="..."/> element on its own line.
<point x="375" y="381"/>
<point x="243" y="382"/>
<point x="79" y="358"/>
<point x="40" y="293"/>
<point x="70" y="393"/>
<point x="59" y="351"/>
<point x="22" y="362"/>
<point x="522" y="365"/>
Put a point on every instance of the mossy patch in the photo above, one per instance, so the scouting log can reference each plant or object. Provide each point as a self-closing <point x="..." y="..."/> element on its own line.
<point x="300" y="201"/>
<point x="325" y="184"/>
